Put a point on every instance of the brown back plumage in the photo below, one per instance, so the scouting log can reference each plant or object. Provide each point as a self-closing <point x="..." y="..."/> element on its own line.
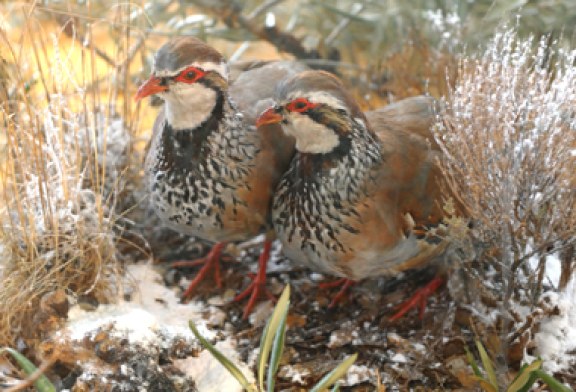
<point x="252" y="98"/>
<point x="410" y="156"/>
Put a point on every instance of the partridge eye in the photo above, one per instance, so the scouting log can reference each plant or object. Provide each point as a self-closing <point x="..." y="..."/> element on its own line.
<point x="300" y="105"/>
<point x="189" y="75"/>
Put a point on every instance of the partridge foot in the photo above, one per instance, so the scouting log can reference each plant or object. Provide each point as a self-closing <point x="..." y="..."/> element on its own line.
<point x="419" y="299"/>
<point x="344" y="285"/>
<point x="210" y="261"/>
<point x="258" y="285"/>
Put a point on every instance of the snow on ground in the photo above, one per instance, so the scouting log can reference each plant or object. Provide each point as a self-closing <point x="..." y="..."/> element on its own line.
<point x="556" y="339"/>
<point x="209" y="373"/>
<point x="553" y="267"/>
<point x="154" y="308"/>
<point x="153" y="319"/>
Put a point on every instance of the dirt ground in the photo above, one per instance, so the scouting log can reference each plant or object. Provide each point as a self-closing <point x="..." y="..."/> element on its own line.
<point x="409" y="353"/>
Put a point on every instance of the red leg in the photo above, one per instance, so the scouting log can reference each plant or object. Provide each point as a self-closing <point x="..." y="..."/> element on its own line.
<point x="210" y="261"/>
<point x="418" y="300"/>
<point x="344" y="285"/>
<point x="258" y="285"/>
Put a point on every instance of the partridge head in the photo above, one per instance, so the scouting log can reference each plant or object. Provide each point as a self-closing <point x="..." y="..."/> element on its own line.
<point x="210" y="172"/>
<point x="358" y="184"/>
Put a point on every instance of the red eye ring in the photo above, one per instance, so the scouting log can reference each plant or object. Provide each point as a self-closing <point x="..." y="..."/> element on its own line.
<point x="190" y="75"/>
<point x="300" y="105"/>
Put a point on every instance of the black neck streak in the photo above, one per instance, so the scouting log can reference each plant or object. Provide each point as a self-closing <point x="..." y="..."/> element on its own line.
<point x="310" y="165"/>
<point x="187" y="147"/>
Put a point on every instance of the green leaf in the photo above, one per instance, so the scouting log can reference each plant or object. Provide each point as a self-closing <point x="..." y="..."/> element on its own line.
<point x="277" y="350"/>
<point x="524" y="375"/>
<point x="270" y="332"/>
<point x="485" y="385"/>
<point x="335" y="374"/>
<point x="336" y="387"/>
<point x="555" y="385"/>
<point x="487" y="364"/>
<point x="233" y="369"/>
<point x="473" y="363"/>
<point x="42" y="383"/>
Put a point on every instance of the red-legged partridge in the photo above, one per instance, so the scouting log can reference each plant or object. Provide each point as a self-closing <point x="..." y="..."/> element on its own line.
<point x="210" y="171"/>
<point x="358" y="184"/>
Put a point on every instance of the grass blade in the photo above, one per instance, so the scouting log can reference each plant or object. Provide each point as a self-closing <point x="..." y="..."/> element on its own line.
<point x="335" y="374"/>
<point x="42" y="384"/>
<point x="487" y="364"/>
<point x="485" y="385"/>
<point x="473" y="363"/>
<point x="276" y="353"/>
<point x="555" y="385"/>
<point x="233" y="369"/>
<point x="524" y="376"/>
<point x="270" y="332"/>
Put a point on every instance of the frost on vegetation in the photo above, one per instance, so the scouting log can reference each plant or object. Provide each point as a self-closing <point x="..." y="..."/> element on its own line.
<point x="53" y="190"/>
<point x="108" y="143"/>
<point x="508" y="132"/>
<point x="448" y="25"/>
<point x="57" y="223"/>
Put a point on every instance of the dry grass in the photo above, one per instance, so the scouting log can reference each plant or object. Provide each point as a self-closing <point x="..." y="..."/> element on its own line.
<point x="68" y="134"/>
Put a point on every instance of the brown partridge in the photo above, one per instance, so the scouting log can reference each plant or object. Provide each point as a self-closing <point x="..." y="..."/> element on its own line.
<point x="358" y="183"/>
<point x="209" y="170"/>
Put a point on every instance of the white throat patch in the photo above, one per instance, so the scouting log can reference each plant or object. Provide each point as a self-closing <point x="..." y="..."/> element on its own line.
<point x="188" y="105"/>
<point x="310" y="136"/>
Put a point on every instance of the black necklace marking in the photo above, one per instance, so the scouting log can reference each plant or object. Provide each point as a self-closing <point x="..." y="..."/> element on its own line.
<point x="320" y="192"/>
<point x="187" y="147"/>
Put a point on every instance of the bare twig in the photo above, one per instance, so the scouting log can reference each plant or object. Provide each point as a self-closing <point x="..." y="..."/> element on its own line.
<point x="263" y="8"/>
<point x="356" y="9"/>
<point x="508" y="159"/>
<point x="231" y="14"/>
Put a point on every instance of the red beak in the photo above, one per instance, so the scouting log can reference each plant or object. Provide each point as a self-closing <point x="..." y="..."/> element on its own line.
<point x="152" y="86"/>
<point x="270" y="116"/>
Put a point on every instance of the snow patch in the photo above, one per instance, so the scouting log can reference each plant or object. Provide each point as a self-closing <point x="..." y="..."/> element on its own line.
<point x="553" y="267"/>
<point x="556" y="339"/>
<point x="359" y="374"/>
<point x="151" y="293"/>
<point x="155" y="310"/>
<point x="399" y="358"/>
<point x="210" y="375"/>
<point x="155" y="318"/>
<point x="296" y="374"/>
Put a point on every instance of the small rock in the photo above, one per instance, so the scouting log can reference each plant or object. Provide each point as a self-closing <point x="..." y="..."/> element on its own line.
<point x="87" y="303"/>
<point x="261" y="313"/>
<point x="216" y="317"/>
